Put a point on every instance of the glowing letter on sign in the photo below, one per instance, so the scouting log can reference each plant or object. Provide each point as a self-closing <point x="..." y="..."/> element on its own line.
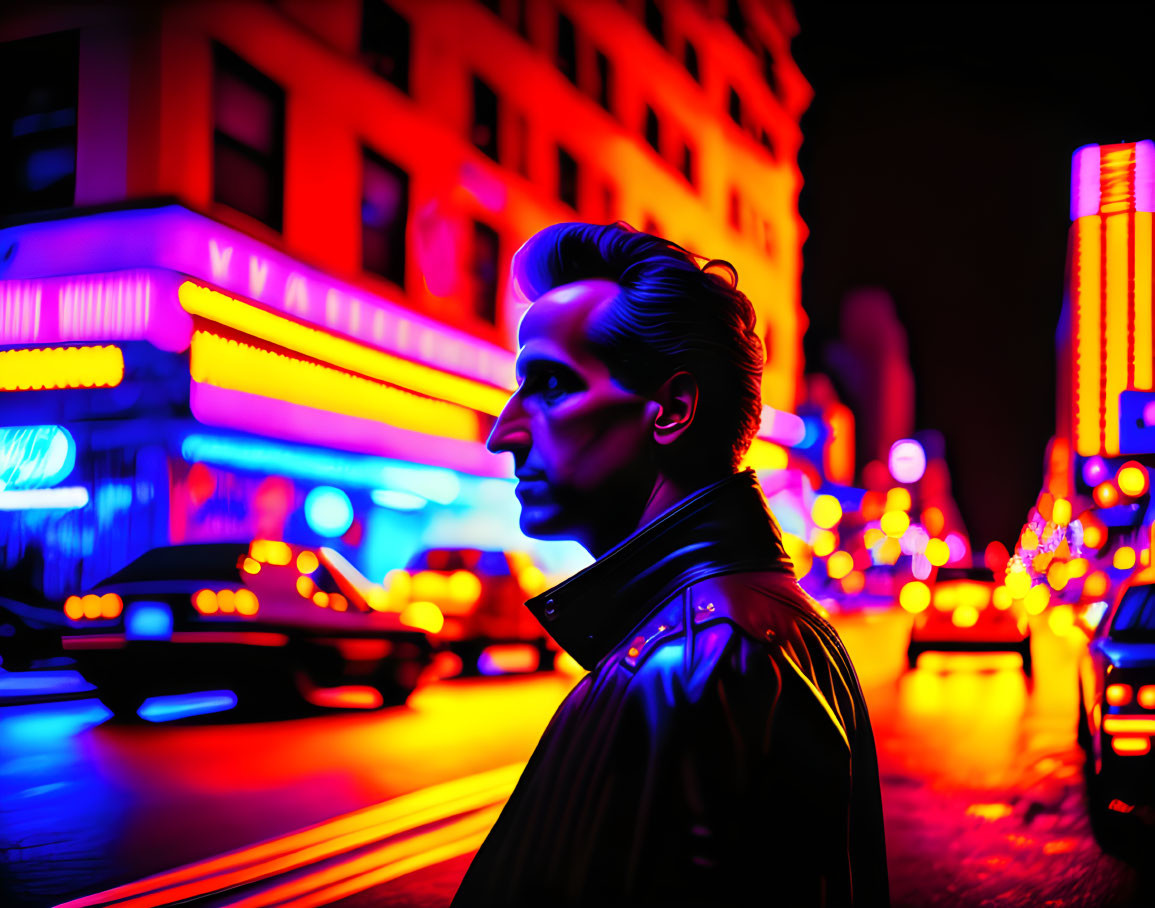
<point x="220" y="260"/>
<point x="258" y="274"/>
<point x="296" y="294"/>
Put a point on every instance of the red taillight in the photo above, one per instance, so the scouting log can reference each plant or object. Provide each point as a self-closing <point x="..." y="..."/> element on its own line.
<point x="1118" y="694"/>
<point x="1131" y="747"/>
<point x="92" y="607"/>
<point x="1146" y="696"/>
<point x="226" y="602"/>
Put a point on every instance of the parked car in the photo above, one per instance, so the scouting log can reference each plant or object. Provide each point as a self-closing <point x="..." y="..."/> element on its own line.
<point x="1117" y="711"/>
<point x="272" y="619"/>
<point x="481" y="595"/>
<point x="965" y="615"/>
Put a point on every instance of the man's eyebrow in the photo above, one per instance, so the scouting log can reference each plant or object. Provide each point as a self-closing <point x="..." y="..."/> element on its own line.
<point x="537" y="361"/>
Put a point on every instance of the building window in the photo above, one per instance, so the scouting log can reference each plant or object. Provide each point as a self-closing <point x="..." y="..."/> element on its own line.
<point x="566" y="47"/>
<point x="737" y="20"/>
<point x="604" y="72"/>
<point x="735" y="106"/>
<point x="385" y="42"/>
<point x="483" y="271"/>
<point x="521" y="20"/>
<point x="494" y="6"/>
<point x="384" y="214"/>
<point x="768" y="72"/>
<point x="735" y="210"/>
<point x="653" y="130"/>
<point x="655" y="21"/>
<point x="521" y="144"/>
<point x="688" y="163"/>
<point x="38" y="123"/>
<point x="248" y="139"/>
<point x="567" y="178"/>
<point x="768" y="143"/>
<point x="690" y="61"/>
<point x="483" y="132"/>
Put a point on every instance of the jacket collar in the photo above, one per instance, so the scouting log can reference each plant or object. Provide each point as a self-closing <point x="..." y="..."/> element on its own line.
<point x="724" y="528"/>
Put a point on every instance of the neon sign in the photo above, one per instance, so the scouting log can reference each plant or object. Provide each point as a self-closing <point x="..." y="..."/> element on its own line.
<point x="43" y="368"/>
<point x="177" y="240"/>
<point x="35" y="457"/>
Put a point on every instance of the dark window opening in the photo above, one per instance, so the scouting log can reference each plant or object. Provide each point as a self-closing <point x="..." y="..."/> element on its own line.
<point x="483" y="132"/>
<point x="768" y="72"/>
<point x="248" y="139"/>
<point x="650" y="225"/>
<point x="605" y="76"/>
<point x="38" y="123"/>
<point x="735" y="210"/>
<point x="521" y="21"/>
<point x="688" y="163"/>
<point x="483" y="270"/>
<point x="566" y="47"/>
<point x="768" y="143"/>
<point x="385" y="41"/>
<point x="609" y="202"/>
<point x="736" y="19"/>
<point x="655" y="21"/>
<point x="653" y="130"/>
<point x="494" y="6"/>
<point x="690" y="61"/>
<point x="521" y="144"/>
<point x="567" y="178"/>
<point x="384" y="215"/>
<point x="735" y="107"/>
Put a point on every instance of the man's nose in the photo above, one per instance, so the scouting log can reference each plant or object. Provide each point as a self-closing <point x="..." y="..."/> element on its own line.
<point x="511" y="431"/>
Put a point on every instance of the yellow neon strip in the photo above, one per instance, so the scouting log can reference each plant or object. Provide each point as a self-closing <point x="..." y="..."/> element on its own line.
<point x="238" y="366"/>
<point x="347" y="354"/>
<point x="765" y="455"/>
<point x="1126" y="725"/>
<point x="1117" y="292"/>
<point x="314" y="844"/>
<point x="61" y="367"/>
<point x="1144" y="380"/>
<point x="1085" y="293"/>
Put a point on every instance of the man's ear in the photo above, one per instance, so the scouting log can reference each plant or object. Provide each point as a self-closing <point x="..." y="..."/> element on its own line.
<point x="677" y="399"/>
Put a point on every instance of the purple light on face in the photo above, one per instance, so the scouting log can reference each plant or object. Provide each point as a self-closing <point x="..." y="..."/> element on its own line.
<point x="1085" y="182"/>
<point x="280" y="419"/>
<point x="1095" y="469"/>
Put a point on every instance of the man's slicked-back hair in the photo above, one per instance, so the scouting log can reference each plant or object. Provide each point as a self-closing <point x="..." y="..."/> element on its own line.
<point x="676" y="312"/>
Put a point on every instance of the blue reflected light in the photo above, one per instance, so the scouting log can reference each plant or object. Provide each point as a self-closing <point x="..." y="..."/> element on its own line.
<point x="329" y="511"/>
<point x="48" y="723"/>
<point x="179" y="706"/>
<point x="398" y="501"/>
<point x="13" y="684"/>
<point x="35" y="457"/>
<point x="148" y="621"/>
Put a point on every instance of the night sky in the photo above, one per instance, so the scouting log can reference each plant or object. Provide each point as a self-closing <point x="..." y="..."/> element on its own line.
<point x="936" y="161"/>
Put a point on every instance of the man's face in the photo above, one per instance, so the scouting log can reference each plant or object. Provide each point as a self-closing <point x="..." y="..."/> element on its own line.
<point x="581" y="443"/>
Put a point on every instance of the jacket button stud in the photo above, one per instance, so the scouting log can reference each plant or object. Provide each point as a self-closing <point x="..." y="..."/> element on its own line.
<point x="549" y="607"/>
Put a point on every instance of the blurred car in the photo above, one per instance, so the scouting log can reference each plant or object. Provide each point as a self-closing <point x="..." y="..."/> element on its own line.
<point x="267" y="617"/>
<point x="1117" y="710"/>
<point x="964" y="614"/>
<point x="481" y="596"/>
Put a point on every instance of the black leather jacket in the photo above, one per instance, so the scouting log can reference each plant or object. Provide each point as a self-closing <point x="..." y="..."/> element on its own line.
<point x="719" y="751"/>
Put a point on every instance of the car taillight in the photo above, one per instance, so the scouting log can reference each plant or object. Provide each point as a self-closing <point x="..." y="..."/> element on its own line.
<point x="1118" y="694"/>
<point x="93" y="607"/>
<point x="1146" y="696"/>
<point x="226" y="602"/>
<point x="1130" y="747"/>
<point x="423" y="616"/>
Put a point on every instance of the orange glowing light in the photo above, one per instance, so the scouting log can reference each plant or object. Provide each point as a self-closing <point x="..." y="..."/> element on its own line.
<point x="1118" y="694"/>
<point x="1131" y="747"/>
<point x="870" y="538"/>
<point x="824" y="541"/>
<point x="349" y="696"/>
<point x="1094" y="533"/>
<point x="513" y="658"/>
<point x="306" y="587"/>
<point x="937" y="552"/>
<point x="826" y="511"/>
<point x="1045" y="504"/>
<point x="1002" y="598"/>
<point x="465" y="587"/>
<point x="532" y="580"/>
<point x="424" y="616"/>
<point x="873" y="504"/>
<point x="1018" y="582"/>
<point x="895" y="523"/>
<point x="1123" y="725"/>
<point x="252" y="566"/>
<point x="964" y="616"/>
<point x="1106" y="495"/>
<point x="1061" y="620"/>
<point x="341" y="352"/>
<point x="898" y="499"/>
<point x="839" y="564"/>
<point x="1061" y="512"/>
<point x="1057" y="575"/>
<point x="1096" y="584"/>
<point x="1028" y="540"/>
<point x="1037" y="599"/>
<point x="1124" y="558"/>
<point x="889" y="550"/>
<point x="205" y="602"/>
<point x="246" y="602"/>
<point x="1132" y="479"/>
<point x="321" y="598"/>
<point x="226" y="601"/>
<point x="91" y="606"/>
<point x="854" y="583"/>
<point x="914" y="596"/>
<point x="61" y="367"/>
<point x="934" y="521"/>
<point x="110" y="605"/>
<point x="1146" y="696"/>
<point x="338" y="603"/>
<point x="73" y="608"/>
<point x="271" y="551"/>
<point x="307" y="561"/>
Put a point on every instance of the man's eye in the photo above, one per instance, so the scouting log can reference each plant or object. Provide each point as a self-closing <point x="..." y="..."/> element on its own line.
<point x="549" y="386"/>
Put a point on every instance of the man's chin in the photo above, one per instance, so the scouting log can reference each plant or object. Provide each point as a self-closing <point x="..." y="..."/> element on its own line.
<point x="543" y="523"/>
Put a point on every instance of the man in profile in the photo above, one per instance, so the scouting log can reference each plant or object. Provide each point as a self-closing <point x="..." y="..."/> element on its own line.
<point x="719" y="750"/>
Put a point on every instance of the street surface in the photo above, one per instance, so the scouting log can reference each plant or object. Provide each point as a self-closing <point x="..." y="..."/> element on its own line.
<point x="982" y="788"/>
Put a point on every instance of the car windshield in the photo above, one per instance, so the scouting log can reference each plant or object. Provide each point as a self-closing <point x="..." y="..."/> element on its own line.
<point x="209" y="561"/>
<point x="985" y="575"/>
<point x="1135" y="619"/>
